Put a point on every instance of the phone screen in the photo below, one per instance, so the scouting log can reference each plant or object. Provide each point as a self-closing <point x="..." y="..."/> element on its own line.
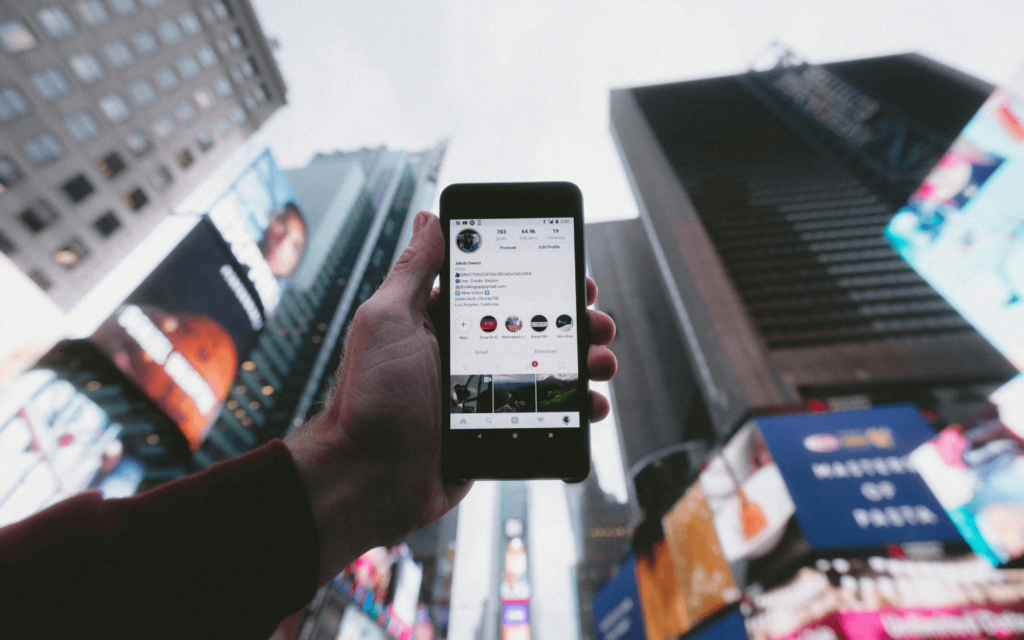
<point x="514" y="360"/>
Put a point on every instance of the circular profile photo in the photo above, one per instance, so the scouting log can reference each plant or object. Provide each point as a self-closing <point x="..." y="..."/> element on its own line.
<point x="488" y="324"/>
<point x="284" y="240"/>
<point x="468" y="241"/>
<point x="564" y="322"/>
<point x="513" y="323"/>
<point x="538" y="323"/>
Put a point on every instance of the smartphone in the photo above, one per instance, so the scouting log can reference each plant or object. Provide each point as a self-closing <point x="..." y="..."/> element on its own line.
<point x="514" y="333"/>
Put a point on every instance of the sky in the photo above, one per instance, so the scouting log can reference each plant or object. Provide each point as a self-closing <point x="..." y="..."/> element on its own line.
<point x="521" y="87"/>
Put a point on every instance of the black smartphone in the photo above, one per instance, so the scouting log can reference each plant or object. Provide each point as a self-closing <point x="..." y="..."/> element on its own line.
<point x="514" y="333"/>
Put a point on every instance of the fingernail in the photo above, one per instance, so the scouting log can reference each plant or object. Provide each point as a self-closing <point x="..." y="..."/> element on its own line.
<point x="417" y="224"/>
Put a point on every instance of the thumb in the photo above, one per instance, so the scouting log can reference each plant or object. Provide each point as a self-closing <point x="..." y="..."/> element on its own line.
<point x="412" y="277"/>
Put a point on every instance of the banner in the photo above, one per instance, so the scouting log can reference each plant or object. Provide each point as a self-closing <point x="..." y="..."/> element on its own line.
<point x="617" y="612"/>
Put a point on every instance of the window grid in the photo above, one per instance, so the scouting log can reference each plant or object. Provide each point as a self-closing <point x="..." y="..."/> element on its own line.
<point x="16" y="37"/>
<point x="142" y="92"/>
<point x="50" y="83"/>
<point x="118" y="54"/>
<point x="12" y="103"/>
<point x="82" y="126"/>
<point x="44" y="149"/>
<point x="87" y="67"/>
<point x="93" y="12"/>
<point x="166" y="79"/>
<point x="57" y="22"/>
<point x="114" y="108"/>
<point x="145" y="42"/>
<point x="169" y="32"/>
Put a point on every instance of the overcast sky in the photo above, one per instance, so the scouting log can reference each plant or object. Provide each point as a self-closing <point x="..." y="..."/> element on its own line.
<point x="521" y="86"/>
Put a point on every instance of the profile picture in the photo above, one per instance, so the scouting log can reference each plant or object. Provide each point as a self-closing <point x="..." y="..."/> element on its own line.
<point x="538" y="323"/>
<point x="488" y="324"/>
<point x="284" y="240"/>
<point x="468" y="241"/>
<point x="564" y="322"/>
<point x="513" y="323"/>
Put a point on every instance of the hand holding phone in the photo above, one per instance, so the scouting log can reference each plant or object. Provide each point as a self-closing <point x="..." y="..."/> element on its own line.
<point x="516" y="335"/>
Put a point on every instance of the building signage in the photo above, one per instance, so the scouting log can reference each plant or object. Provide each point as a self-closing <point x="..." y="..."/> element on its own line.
<point x="851" y="477"/>
<point x="617" y="611"/>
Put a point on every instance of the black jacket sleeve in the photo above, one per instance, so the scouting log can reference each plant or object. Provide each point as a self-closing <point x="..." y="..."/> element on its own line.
<point x="226" y="553"/>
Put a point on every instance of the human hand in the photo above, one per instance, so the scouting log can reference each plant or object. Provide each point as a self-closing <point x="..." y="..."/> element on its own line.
<point x="371" y="459"/>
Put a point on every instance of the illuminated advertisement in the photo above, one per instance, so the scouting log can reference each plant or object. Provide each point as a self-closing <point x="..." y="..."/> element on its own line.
<point x="661" y="598"/>
<point x="54" y="443"/>
<point x="514" y="589"/>
<point x="891" y="598"/>
<point x="976" y="470"/>
<point x="963" y="229"/>
<point x="261" y="222"/>
<point x="178" y="335"/>
<point x="617" y="614"/>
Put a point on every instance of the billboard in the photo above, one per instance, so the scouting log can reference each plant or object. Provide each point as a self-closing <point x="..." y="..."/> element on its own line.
<point x="976" y="470"/>
<point x="178" y="335"/>
<point x="258" y="217"/>
<point x="963" y="229"/>
<point x="617" y="611"/>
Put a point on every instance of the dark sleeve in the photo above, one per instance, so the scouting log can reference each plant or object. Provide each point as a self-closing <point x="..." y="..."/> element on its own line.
<point x="226" y="553"/>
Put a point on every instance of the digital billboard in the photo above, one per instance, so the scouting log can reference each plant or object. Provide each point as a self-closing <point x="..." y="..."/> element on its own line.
<point x="963" y="228"/>
<point x="178" y="335"/>
<point x="617" y="612"/>
<point x="260" y="220"/>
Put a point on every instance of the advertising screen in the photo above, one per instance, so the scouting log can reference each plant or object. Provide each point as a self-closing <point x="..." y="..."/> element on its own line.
<point x="261" y="222"/>
<point x="963" y="229"/>
<point x="54" y="443"/>
<point x="976" y="470"/>
<point x="617" y="612"/>
<point x="514" y="360"/>
<point x="178" y="335"/>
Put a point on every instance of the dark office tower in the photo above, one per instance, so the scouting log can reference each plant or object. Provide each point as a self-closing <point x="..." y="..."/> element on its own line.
<point x="111" y="112"/>
<point x="358" y="209"/>
<point x="763" y="197"/>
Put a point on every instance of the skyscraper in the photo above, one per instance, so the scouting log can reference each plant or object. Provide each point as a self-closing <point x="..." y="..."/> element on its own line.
<point x="358" y="209"/>
<point x="763" y="197"/>
<point x="112" y="112"/>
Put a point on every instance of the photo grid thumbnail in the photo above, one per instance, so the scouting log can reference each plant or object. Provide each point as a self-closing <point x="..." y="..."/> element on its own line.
<point x="471" y="394"/>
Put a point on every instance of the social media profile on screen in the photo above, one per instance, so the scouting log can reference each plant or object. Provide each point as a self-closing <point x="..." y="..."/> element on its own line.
<point x="468" y="241"/>
<point x="513" y="323"/>
<point x="488" y="324"/>
<point x="564" y="322"/>
<point x="538" y="323"/>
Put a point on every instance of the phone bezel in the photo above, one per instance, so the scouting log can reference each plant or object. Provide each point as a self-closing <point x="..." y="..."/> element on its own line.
<point x="469" y="454"/>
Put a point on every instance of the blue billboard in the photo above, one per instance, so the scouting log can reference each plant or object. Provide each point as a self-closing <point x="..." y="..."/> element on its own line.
<point x="617" y="611"/>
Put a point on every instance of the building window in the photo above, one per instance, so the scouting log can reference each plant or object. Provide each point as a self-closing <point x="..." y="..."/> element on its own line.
<point x="10" y="174"/>
<point x="204" y="141"/>
<point x="222" y="127"/>
<point x="93" y="12"/>
<point x="142" y="92"/>
<point x="222" y="10"/>
<point x="169" y="32"/>
<point x="184" y="158"/>
<point x="260" y="93"/>
<point x="206" y="56"/>
<point x="190" y="23"/>
<point x="114" y="107"/>
<point x="223" y="86"/>
<point x="208" y="16"/>
<point x="78" y="188"/>
<point x="185" y="111"/>
<point x="50" y="83"/>
<point x="136" y="199"/>
<point x="16" y="36"/>
<point x="223" y="47"/>
<point x="145" y="42"/>
<point x="237" y="76"/>
<point x="118" y="54"/>
<point x="39" y="216"/>
<point x="161" y="178"/>
<point x="111" y="165"/>
<point x="82" y="126"/>
<point x="6" y="246"/>
<point x="86" y="67"/>
<point x="153" y="4"/>
<point x="139" y="143"/>
<point x="249" y="67"/>
<point x="238" y="114"/>
<point x="71" y="254"/>
<point x="44" y="149"/>
<point x="163" y="127"/>
<point x="250" y="102"/>
<point x="236" y="40"/>
<point x="188" y="66"/>
<point x="107" y="224"/>
<point x="12" y="103"/>
<point x="204" y="98"/>
<point x="124" y="7"/>
<point x="166" y="79"/>
<point x="57" y="22"/>
<point x="40" y="279"/>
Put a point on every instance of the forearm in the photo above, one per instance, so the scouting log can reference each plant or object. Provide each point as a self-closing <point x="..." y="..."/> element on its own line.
<point x="225" y="553"/>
